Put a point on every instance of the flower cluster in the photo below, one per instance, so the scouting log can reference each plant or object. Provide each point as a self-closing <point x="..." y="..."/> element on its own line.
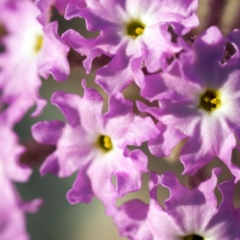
<point x="189" y="94"/>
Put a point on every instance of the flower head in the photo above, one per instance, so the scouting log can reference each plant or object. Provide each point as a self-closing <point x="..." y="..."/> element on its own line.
<point x="202" y="101"/>
<point x="188" y="214"/>
<point x="131" y="33"/>
<point x="96" y="145"/>
<point x="31" y="49"/>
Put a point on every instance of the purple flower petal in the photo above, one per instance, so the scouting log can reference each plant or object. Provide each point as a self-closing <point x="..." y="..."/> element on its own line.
<point x="82" y="189"/>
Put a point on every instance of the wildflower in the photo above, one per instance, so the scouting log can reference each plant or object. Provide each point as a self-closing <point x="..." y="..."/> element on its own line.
<point x="187" y="214"/>
<point x="96" y="145"/>
<point x="30" y="50"/>
<point x="200" y="98"/>
<point x="131" y="33"/>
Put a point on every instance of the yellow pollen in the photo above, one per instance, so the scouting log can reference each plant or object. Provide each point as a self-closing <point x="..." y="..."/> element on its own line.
<point x="38" y="43"/>
<point x="105" y="143"/>
<point x="210" y="100"/>
<point x="139" y="31"/>
<point x="135" y="28"/>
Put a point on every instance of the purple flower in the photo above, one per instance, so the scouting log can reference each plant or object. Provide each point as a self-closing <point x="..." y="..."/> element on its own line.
<point x="96" y="145"/>
<point x="200" y="97"/>
<point x="30" y="50"/>
<point x="187" y="214"/>
<point x="131" y="33"/>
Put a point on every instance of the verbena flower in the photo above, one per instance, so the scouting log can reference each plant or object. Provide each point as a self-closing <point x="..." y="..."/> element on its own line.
<point x="30" y="50"/>
<point x="132" y="32"/>
<point x="200" y="97"/>
<point x="186" y="215"/>
<point x="96" y="145"/>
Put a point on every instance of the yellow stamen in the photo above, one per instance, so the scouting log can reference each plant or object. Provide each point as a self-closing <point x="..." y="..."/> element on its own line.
<point x="38" y="44"/>
<point x="139" y="31"/>
<point x="135" y="28"/>
<point x="105" y="143"/>
<point x="210" y="100"/>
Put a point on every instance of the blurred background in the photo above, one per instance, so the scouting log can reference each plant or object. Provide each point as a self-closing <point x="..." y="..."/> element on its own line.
<point x="57" y="219"/>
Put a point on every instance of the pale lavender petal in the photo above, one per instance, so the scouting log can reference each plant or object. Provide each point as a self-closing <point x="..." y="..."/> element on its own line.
<point x="184" y="209"/>
<point x="119" y="73"/>
<point x="128" y="171"/>
<point x="90" y="109"/>
<point x="53" y="128"/>
<point x="68" y="104"/>
<point x="91" y="48"/>
<point x="130" y="220"/>
<point x="212" y="43"/>
<point x="73" y="151"/>
<point x="86" y="110"/>
<point x="102" y="185"/>
<point x="137" y="129"/>
<point x="221" y="225"/>
<point x="156" y="40"/>
<point x="53" y="59"/>
<point x="162" y="145"/>
<point x="45" y="9"/>
<point x="81" y="191"/>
